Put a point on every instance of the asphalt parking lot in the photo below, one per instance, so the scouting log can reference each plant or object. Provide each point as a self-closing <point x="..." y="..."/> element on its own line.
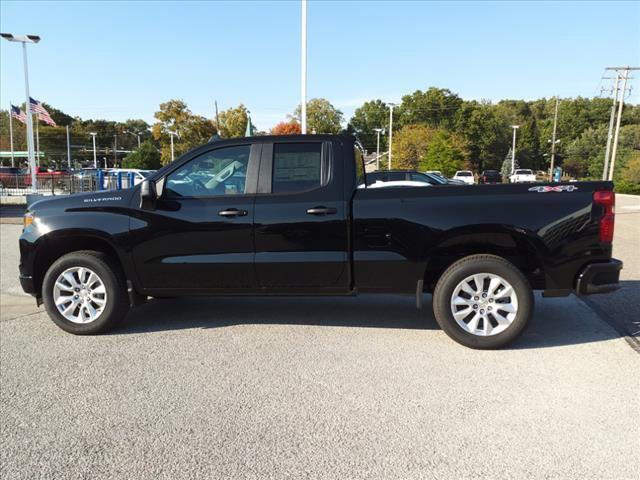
<point x="339" y="388"/>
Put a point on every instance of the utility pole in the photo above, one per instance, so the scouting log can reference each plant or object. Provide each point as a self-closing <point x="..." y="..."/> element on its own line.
<point x="614" y="150"/>
<point x="391" y="105"/>
<point x="215" y="102"/>
<point x="513" y="149"/>
<point x="553" y="139"/>
<point x="303" y="70"/>
<point x="605" y="170"/>
<point x="68" y="148"/>
<point x="378" y="131"/>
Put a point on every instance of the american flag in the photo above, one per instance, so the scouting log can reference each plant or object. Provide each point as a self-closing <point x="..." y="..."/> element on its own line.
<point x="18" y="114"/>
<point x="37" y="108"/>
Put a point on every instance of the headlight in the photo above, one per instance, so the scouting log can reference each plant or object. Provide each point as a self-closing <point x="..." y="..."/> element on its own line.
<point x="27" y="219"/>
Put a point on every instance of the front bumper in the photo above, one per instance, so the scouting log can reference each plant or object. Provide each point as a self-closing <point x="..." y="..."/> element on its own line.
<point x="27" y="284"/>
<point x="599" y="278"/>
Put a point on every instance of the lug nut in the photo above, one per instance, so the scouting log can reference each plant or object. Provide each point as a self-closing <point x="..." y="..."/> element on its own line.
<point x="484" y="295"/>
<point x="475" y="306"/>
<point x="76" y="296"/>
<point x="476" y="298"/>
<point x="481" y="311"/>
<point x="489" y="308"/>
<point x="491" y="299"/>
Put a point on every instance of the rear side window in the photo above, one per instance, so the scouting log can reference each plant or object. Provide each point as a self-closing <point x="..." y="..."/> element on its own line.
<point x="296" y="167"/>
<point x="360" y="172"/>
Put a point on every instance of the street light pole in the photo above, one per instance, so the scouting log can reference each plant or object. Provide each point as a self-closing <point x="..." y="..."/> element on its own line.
<point x="134" y="134"/>
<point x="605" y="170"/>
<point x="391" y="105"/>
<point x="303" y="70"/>
<point x="553" y="140"/>
<point x="513" y="149"/>
<point x="378" y="131"/>
<point x="172" y="134"/>
<point x="24" y="39"/>
<point x="95" y="157"/>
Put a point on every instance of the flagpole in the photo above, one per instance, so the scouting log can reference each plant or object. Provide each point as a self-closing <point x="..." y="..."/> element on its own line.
<point x="68" y="148"/>
<point x="37" y="140"/>
<point x="11" y="133"/>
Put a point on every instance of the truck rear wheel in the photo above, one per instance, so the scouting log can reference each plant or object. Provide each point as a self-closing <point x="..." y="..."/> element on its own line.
<point x="84" y="293"/>
<point x="483" y="301"/>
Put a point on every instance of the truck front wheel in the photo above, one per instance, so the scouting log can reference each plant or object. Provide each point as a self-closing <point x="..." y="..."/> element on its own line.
<point x="483" y="301"/>
<point x="84" y="293"/>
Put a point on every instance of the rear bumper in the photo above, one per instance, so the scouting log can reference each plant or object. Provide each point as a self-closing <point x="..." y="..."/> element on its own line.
<point x="599" y="278"/>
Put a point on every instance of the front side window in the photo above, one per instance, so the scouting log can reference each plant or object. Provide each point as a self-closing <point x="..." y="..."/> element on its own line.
<point x="218" y="172"/>
<point x="297" y="167"/>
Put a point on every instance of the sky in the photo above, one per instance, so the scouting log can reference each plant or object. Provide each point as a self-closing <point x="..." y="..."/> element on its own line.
<point x="120" y="60"/>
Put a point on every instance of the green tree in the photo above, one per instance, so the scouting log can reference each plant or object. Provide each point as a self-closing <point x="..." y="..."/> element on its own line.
<point x="322" y="117"/>
<point x="505" y="170"/>
<point x="487" y="131"/>
<point x="233" y="122"/>
<point x="446" y="152"/>
<point x="372" y="114"/>
<point x="437" y="107"/>
<point x="193" y="130"/>
<point x="147" y="157"/>
<point x="411" y="145"/>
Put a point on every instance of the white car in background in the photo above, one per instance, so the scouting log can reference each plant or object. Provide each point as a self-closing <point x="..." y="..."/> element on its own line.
<point x="138" y="174"/>
<point x="523" y="175"/>
<point x="465" y="176"/>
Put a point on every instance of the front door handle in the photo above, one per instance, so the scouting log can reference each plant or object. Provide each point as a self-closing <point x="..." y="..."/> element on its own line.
<point x="233" y="212"/>
<point x="322" y="211"/>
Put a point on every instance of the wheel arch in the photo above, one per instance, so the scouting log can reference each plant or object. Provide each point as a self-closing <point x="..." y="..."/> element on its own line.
<point x="509" y="243"/>
<point x="54" y="246"/>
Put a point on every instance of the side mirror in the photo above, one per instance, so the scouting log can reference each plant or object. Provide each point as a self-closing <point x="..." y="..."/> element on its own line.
<point x="148" y="195"/>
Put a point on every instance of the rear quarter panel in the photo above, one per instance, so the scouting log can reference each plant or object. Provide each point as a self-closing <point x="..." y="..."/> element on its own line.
<point x="397" y="231"/>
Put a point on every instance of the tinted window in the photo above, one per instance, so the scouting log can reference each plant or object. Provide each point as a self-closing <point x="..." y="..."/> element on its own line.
<point x="463" y="174"/>
<point x="397" y="176"/>
<point x="219" y="172"/>
<point x="418" y="177"/>
<point x="296" y="167"/>
<point x="524" y="172"/>
<point x="360" y="173"/>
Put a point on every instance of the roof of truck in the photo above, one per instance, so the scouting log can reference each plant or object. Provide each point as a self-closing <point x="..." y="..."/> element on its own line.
<point x="280" y="138"/>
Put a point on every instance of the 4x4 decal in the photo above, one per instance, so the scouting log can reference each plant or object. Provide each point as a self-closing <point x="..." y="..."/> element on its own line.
<point x="559" y="188"/>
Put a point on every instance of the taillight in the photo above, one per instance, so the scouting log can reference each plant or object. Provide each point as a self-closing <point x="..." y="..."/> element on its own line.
<point x="484" y="178"/>
<point x="607" y="200"/>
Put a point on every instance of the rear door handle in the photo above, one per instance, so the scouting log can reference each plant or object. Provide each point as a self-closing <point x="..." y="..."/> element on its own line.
<point x="322" y="211"/>
<point x="233" y="212"/>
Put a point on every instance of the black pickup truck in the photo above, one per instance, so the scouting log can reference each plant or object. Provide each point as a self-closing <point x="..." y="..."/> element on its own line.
<point x="294" y="215"/>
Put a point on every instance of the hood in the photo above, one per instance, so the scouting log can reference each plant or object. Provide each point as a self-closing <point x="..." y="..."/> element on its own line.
<point x="58" y="203"/>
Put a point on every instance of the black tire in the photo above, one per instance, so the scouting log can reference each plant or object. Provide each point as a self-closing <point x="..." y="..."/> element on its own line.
<point x="111" y="275"/>
<point x="462" y="269"/>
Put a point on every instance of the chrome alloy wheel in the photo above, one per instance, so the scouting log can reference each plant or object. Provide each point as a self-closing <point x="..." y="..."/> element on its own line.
<point x="80" y="295"/>
<point x="484" y="304"/>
